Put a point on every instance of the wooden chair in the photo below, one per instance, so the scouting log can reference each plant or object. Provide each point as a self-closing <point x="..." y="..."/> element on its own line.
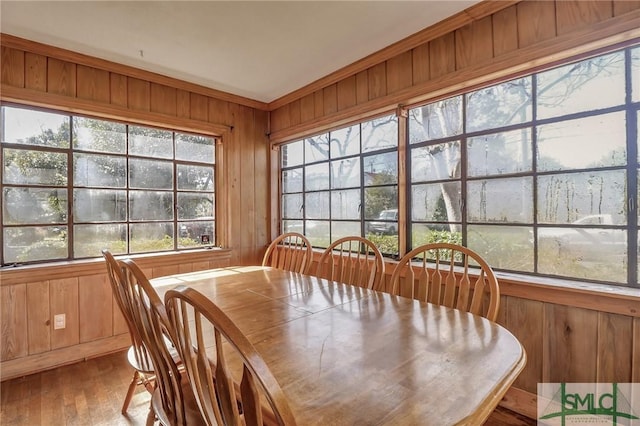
<point x="441" y="282"/>
<point x="198" y="322"/>
<point x="290" y="251"/>
<point x="137" y="354"/>
<point x="352" y="260"/>
<point x="172" y="402"/>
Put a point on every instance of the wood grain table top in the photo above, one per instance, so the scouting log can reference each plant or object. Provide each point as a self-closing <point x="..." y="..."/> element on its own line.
<point x="345" y="355"/>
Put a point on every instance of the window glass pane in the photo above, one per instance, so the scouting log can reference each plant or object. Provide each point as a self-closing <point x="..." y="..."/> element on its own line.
<point x="99" y="205"/>
<point x="316" y="148"/>
<point x="147" y="237"/>
<point x="572" y="197"/>
<point x="499" y="105"/>
<point x="150" y="205"/>
<point x="587" y="253"/>
<point x="35" y="128"/>
<point x="151" y="174"/>
<point x="317" y="232"/>
<point x="30" y="244"/>
<point x="380" y="133"/>
<point x="378" y="199"/>
<point x="436" y="162"/>
<point x="195" y="205"/>
<point x="499" y="153"/>
<point x="344" y="229"/>
<point x="293" y="226"/>
<point x="427" y="234"/>
<point x="503" y="247"/>
<point x="196" y="178"/>
<point x="345" y="173"/>
<point x="99" y="135"/>
<point x="386" y="223"/>
<point x="89" y="240"/>
<point x="34" y="167"/>
<point x="436" y="202"/>
<point x="635" y="74"/>
<point x="346" y="205"/>
<point x="571" y="88"/>
<point x="500" y="200"/>
<point x="34" y="205"/>
<point x="345" y="141"/>
<point x="316" y="205"/>
<point x="195" y="148"/>
<point x="292" y="180"/>
<point x="576" y="144"/>
<point x="99" y="170"/>
<point x="316" y="177"/>
<point x="292" y="154"/>
<point x="150" y="142"/>
<point x="192" y="233"/>
<point x="381" y="169"/>
<point x="292" y="206"/>
<point x="437" y="120"/>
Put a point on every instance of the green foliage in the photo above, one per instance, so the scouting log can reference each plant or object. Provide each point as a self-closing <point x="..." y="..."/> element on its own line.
<point x="387" y="244"/>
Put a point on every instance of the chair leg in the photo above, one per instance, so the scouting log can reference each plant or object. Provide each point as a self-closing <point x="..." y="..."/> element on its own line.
<point x="130" y="391"/>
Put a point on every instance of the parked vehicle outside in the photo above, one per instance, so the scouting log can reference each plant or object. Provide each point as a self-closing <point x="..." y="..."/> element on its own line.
<point x="387" y="223"/>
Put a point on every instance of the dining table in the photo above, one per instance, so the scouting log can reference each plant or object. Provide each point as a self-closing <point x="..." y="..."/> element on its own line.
<point x="346" y="355"/>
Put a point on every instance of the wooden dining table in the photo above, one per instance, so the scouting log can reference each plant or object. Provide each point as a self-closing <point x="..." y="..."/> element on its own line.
<point x="345" y="355"/>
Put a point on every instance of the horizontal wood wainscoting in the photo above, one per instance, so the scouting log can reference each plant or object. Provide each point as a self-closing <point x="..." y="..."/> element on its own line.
<point x="31" y="296"/>
<point x="571" y="333"/>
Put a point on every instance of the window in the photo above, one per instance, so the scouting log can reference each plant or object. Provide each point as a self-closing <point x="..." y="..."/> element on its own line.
<point x="72" y="186"/>
<point x="343" y="183"/>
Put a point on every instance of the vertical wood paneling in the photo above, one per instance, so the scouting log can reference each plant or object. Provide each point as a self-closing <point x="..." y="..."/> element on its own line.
<point x="261" y="175"/>
<point x="307" y="108"/>
<point x="474" y="43"/>
<point x="318" y="100"/>
<point x="330" y="99"/>
<point x="295" y="114"/>
<point x="64" y="300"/>
<point x="536" y="21"/>
<point x="13" y="313"/>
<point x="199" y="266"/>
<point x="620" y="7"/>
<point x="233" y="165"/>
<point x="95" y="310"/>
<point x="420" y="64"/>
<point x="524" y="318"/>
<point x="12" y="67"/>
<point x="163" y="271"/>
<point x="93" y="84"/>
<point x="119" y="323"/>
<point x="138" y="94"/>
<point x="119" y="89"/>
<point x="569" y="353"/>
<point x="505" y="31"/>
<point x="184" y="268"/>
<point x="199" y="107"/>
<point x="35" y="72"/>
<point x="377" y="77"/>
<point x="247" y="210"/>
<point x="575" y="14"/>
<point x="219" y="112"/>
<point x="39" y="324"/>
<point x="442" y="58"/>
<point x="615" y="342"/>
<point x="362" y="87"/>
<point x="347" y="93"/>
<point x="399" y="72"/>
<point x="635" y="374"/>
<point x="61" y="77"/>
<point x="183" y="104"/>
<point x="163" y="99"/>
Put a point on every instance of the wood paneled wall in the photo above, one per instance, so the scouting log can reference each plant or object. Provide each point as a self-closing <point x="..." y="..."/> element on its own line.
<point x="491" y="40"/>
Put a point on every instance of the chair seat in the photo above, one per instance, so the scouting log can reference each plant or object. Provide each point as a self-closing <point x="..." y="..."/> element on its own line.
<point x="146" y="366"/>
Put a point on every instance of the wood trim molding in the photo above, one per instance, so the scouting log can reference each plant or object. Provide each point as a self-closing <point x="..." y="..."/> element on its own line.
<point x="59" y="357"/>
<point x="108" y="111"/>
<point x="80" y="58"/>
<point x="521" y="402"/>
<point x="601" y="36"/>
<point x="473" y="13"/>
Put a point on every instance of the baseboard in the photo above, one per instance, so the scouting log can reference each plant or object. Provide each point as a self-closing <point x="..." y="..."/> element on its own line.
<point x="64" y="356"/>
<point x="522" y="402"/>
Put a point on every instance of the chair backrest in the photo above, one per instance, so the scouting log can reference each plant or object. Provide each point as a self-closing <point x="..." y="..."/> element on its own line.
<point x="150" y="319"/>
<point x="352" y="260"/>
<point x="290" y="251"/>
<point x="439" y="281"/>
<point x="201" y="325"/>
<point x="118" y="287"/>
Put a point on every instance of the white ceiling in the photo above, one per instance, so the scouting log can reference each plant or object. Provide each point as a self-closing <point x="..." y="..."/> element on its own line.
<point x="258" y="49"/>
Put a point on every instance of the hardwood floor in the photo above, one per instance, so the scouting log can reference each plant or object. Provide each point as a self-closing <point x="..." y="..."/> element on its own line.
<point x="91" y="393"/>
